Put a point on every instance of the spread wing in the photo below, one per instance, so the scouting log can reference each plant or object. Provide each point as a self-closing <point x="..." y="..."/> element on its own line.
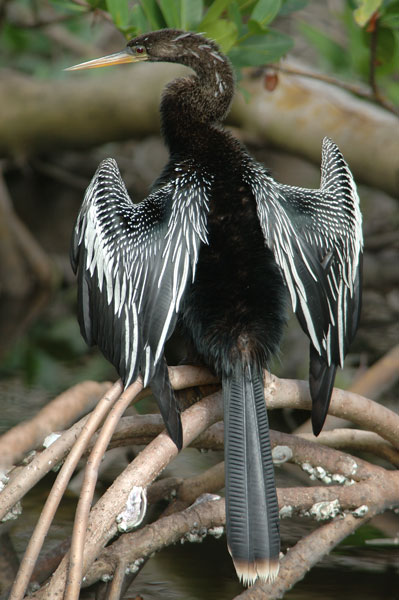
<point x="134" y="263"/>
<point x="317" y="241"/>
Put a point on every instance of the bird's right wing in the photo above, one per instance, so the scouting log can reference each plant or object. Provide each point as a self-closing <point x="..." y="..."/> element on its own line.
<point x="317" y="242"/>
<point x="134" y="263"/>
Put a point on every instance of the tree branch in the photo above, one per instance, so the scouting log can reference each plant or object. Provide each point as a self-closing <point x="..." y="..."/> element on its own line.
<point x="57" y="414"/>
<point x="133" y="548"/>
<point x="353" y="88"/>
<point x="88" y="487"/>
<point x="58" y="489"/>
<point x="140" y="473"/>
<point x="279" y="393"/>
<point x="301" y="111"/>
<point x="24" y="266"/>
<point x="365" y="413"/>
<point x="376" y="486"/>
<point x="360" y="441"/>
<point x="193" y="523"/>
<point x="294" y="117"/>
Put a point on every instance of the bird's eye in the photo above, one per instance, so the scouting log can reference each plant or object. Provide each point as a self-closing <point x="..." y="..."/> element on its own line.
<point x="139" y="49"/>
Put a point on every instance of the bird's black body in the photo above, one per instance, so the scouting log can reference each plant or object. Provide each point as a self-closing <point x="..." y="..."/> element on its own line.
<point x="236" y="304"/>
<point x="220" y="245"/>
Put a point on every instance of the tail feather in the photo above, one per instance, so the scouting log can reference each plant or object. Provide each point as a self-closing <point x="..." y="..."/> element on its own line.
<point x="251" y="501"/>
<point x="321" y="384"/>
<point x="167" y="403"/>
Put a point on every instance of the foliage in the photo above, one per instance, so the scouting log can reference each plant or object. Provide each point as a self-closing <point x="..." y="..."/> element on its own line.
<point x="245" y="29"/>
<point x="371" y="52"/>
<point x="239" y="25"/>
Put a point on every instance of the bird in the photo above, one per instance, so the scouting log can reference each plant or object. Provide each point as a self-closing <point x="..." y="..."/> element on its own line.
<point x="221" y="248"/>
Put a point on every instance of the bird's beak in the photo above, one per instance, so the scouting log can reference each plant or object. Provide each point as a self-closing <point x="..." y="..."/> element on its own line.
<point x="118" y="58"/>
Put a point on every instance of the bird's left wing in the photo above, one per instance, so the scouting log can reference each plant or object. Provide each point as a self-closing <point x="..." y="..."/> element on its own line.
<point x="134" y="263"/>
<point x="316" y="239"/>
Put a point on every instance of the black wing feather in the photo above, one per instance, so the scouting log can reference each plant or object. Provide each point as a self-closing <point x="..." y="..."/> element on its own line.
<point x="134" y="263"/>
<point x="317" y="241"/>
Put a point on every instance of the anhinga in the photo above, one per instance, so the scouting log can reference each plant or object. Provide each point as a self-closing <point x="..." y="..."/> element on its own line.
<point x="217" y="243"/>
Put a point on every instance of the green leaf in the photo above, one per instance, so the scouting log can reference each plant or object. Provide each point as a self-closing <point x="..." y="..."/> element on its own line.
<point x="327" y="48"/>
<point x="153" y="14"/>
<point x="191" y="13"/>
<point x="261" y="49"/>
<point x="390" y="17"/>
<point x="357" y="52"/>
<point x="392" y="91"/>
<point x="255" y="29"/>
<point x="171" y="12"/>
<point x="264" y="13"/>
<point x="18" y="41"/>
<point x="365" y="11"/>
<point x="235" y="15"/>
<point x="387" y="53"/>
<point x="289" y="6"/>
<point x="246" y="6"/>
<point x="213" y="12"/>
<point x="69" y="6"/>
<point x="391" y="21"/>
<point x="223" y="32"/>
<point x="119" y="11"/>
<point x="102" y="4"/>
<point x="138" y="20"/>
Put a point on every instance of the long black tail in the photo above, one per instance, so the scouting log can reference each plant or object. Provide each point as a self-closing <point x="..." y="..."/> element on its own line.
<point x="252" y="516"/>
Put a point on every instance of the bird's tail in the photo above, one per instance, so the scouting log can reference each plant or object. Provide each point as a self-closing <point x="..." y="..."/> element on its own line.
<point x="252" y="516"/>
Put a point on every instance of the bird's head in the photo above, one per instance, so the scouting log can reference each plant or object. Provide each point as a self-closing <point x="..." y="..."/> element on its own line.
<point x="165" y="45"/>
<point x="202" y="98"/>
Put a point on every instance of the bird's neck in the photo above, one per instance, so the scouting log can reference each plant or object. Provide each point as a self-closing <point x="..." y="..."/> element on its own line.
<point x="190" y="106"/>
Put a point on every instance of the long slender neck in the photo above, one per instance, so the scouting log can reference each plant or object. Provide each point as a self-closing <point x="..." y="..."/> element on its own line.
<point x="191" y="105"/>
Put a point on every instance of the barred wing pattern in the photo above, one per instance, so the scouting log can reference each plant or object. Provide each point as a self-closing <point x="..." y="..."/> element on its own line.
<point x="316" y="238"/>
<point x="116" y="249"/>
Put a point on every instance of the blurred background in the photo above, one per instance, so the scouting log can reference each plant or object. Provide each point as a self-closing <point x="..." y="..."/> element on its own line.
<point x="55" y="127"/>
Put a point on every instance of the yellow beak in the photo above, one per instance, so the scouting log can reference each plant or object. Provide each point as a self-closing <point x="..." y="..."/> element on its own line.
<point x="118" y="58"/>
